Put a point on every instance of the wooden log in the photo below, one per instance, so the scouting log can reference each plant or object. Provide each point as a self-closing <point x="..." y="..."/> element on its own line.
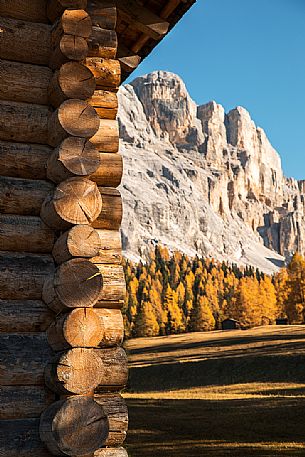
<point x="23" y="160"/>
<point x="112" y="324"/>
<point x="74" y="157"/>
<point x="81" y="328"/>
<point x="76" y="201"/>
<point x="77" y="371"/>
<point x="75" y="118"/>
<point x="22" y="316"/>
<point x="112" y="210"/>
<point x="22" y="275"/>
<point x="79" y="241"/>
<point x="31" y="11"/>
<point x="111" y="452"/>
<point x="101" y="246"/>
<point x="128" y="59"/>
<point x="68" y="48"/>
<point x="55" y="8"/>
<point x="103" y="13"/>
<point x="75" y="22"/>
<point x="111" y="247"/>
<point x="75" y="284"/>
<point x="21" y="402"/>
<point x="114" y="286"/>
<point x="107" y="138"/>
<point x="72" y="80"/>
<point x="115" y="407"/>
<point x="81" y="370"/>
<point x="22" y="82"/>
<point x="113" y="369"/>
<point x="23" y="358"/>
<point x="105" y="104"/>
<point x="75" y="426"/>
<point x="25" y="233"/>
<point x="102" y="43"/>
<point x="110" y="172"/>
<point x="107" y="72"/>
<point x="26" y="434"/>
<point x="23" y="196"/>
<point x="24" y="122"/>
<point x="25" y="41"/>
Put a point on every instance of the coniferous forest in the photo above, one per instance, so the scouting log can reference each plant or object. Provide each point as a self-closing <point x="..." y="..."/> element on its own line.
<point x="172" y="293"/>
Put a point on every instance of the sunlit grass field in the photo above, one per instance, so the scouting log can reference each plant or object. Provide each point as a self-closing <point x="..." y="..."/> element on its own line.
<point x="235" y="393"/>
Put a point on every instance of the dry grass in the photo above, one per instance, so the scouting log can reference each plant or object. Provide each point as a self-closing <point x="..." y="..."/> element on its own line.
<point x="239" y="393"/>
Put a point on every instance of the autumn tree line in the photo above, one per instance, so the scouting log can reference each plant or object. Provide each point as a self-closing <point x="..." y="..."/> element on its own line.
<point x="172" y="293"/>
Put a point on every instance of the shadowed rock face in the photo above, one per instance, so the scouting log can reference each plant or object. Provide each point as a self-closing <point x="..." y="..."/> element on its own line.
<point x="202" y="181"/>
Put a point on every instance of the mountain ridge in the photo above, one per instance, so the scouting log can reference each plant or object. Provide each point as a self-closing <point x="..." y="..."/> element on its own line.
<point x="203" y="181"/>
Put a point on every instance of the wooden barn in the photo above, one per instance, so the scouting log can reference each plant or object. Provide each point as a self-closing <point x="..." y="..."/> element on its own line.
<point x="62" y="284"/>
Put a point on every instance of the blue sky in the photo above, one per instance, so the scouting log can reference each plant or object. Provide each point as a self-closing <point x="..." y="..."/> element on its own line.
<point x="249" y="53"/>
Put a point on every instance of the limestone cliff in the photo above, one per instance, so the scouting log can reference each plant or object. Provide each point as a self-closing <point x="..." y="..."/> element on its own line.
<point x="202" y="181"/>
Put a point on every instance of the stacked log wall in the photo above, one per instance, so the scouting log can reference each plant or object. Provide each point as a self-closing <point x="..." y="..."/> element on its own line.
<point x="61" y="280"/>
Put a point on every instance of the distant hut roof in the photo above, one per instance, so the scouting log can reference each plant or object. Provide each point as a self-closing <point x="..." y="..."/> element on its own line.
<point x="142" y="25"/>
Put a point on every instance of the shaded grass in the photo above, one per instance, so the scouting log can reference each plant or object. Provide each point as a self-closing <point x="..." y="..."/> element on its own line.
<point x="243" y="399"/>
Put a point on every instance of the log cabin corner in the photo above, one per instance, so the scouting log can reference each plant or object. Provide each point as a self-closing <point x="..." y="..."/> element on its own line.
<point x="62" y="283"/>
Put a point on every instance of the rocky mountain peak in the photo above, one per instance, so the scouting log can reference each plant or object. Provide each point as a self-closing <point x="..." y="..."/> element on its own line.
<point x="203" y="181"/>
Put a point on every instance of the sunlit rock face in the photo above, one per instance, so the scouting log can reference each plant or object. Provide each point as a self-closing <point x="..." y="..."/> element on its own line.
<point x="202" y="181"/>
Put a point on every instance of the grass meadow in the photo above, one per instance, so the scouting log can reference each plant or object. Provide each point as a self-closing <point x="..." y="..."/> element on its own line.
<point x="234" y="393"/>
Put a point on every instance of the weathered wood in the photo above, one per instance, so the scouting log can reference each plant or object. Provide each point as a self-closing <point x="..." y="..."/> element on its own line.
<point x="75" y="118"/>
<point x="22" y="275"/>
<point x="76" y="201"/>
<point x="75" y="284"/>
<point x="77" y="371"/>
<point x="23" y="160"/>
<point x="129" y="60"/>
<point x="80" y="371"/>
<point x="20" y="82"/>
<point x="110" y="249"/>
<point x="105" y="104"/>
<point x="111" y="452"/>
<point x="25" y="41"/>
<point x="21" y="402"/>
<point x="102" y="43"/>
<point x="75" y="426"/>
<point x="24" y="316"/>
<point x="107" y="137"/>
<point x="26" y="434"/>
<point x="107" y="72"/>
<point x="75" y="22"/>
<point x="110" y="172"/>
<point x="116" y="409"/>
<point x="112" y="324"/>
<point x="112" y="210"/>
<point x="23" y="358"/>
<point x="81" y="328"/>
<point x="23" y="196"/>
<point x="113" y="369"/>
<point x="55" y="8"/>
<point x="73" y="157"/>
<point x="79" y="241"/>
<point x="142" y="19"/>
<point x="114" y="286"/>
<point x="24" y="122"/>
<point x="103" y="13"/>
<point x="68" y="48"/>
<point x="72" y="80"/>
<point x="25" y="233"/>
<point x="31" y="11"/>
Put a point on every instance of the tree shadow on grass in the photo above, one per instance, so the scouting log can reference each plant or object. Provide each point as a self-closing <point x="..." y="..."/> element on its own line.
<point x="216" y="428"/>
